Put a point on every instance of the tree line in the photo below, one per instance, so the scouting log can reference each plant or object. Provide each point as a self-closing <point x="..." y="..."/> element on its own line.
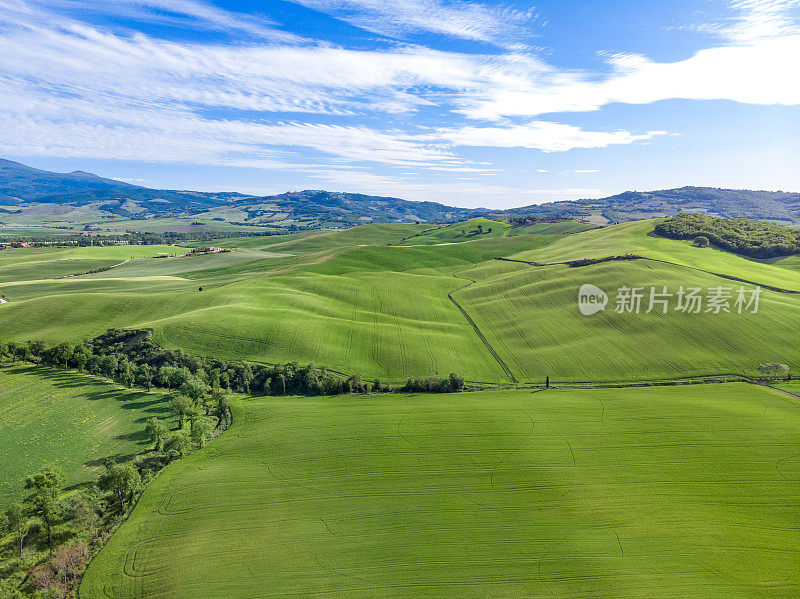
<point x="744" y="236"/>
<point x="135" y="237"/>
<point x="131" y="357"/>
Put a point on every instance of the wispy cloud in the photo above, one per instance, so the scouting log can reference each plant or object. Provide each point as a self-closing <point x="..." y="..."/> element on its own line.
<point x="754" y="20"/>
<point x="467" y="20"/>
<point x="194" y="14"/>
<point x="79" y="91"/>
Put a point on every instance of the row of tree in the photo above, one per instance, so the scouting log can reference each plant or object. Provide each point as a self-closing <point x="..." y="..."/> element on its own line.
<point x="588" y="261"/>
<point x="131" y="357"/>
<point x="526" y="221"/>
<point x="135" y="237"/>
<point x="741" y="235"/>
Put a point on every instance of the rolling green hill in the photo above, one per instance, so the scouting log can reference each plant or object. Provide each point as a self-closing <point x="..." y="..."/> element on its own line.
<point x="637" y="238"/>
<point x="530" y="316"/>
<point x="675" y="492"/>
<point x="469" y="230"/>
<point x="68" y="419"/>
<point x="347" y="301"/>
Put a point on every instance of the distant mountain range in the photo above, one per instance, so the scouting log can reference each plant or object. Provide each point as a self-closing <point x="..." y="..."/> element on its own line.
<point x="777" y="206"/>
<point x="22" y="188"/>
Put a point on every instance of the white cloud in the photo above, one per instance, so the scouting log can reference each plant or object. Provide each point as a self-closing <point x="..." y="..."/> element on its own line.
<point x="540" y="135"/>
<point x="192" y="14"/>
<point x="762" y="72"/>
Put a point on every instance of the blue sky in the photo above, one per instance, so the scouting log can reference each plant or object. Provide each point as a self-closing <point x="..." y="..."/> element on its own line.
<point x="494" y="104"/>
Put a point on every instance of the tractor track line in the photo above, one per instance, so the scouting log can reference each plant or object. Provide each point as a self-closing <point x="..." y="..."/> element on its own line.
<point x="474" y="326"/>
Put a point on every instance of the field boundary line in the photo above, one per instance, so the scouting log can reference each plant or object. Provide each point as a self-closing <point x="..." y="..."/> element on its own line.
<point x="789" y="393"/>
<point x="474" y="326"/>
<point x="708" y="272"/>
<point x="90" y="272"/>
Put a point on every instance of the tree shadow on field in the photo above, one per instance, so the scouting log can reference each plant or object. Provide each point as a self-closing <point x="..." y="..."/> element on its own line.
<point x="86" y="485"/>
<point x="139" y="436"/>
<point x="115" y="458"/>
<point x="63" y="379"/>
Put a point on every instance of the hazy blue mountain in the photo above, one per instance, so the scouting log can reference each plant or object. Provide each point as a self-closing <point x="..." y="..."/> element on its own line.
<point x="20" y="183"/>
<point x="635" y="205"/>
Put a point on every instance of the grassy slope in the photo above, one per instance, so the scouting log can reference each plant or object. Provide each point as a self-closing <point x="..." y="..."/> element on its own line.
<point x="789" y="386"/>
<point x="669" y="492"/>
<point x="460" y="232"/>
<point x="353" y="312"/>
<point x="635" y="238"/>
<point x="558" y="228"/>
<point x="345" y="300"/>
<point x="68" y="419"/>
<point x="33" y="264"/>
<point x="530" y="315"/>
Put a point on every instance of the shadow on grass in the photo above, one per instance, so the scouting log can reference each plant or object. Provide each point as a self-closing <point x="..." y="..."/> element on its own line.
<point x="150" y="404"/>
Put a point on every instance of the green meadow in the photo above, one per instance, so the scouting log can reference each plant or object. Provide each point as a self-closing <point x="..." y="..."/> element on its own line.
<point x="684" y="492"/>
<point x="71" y="420"/>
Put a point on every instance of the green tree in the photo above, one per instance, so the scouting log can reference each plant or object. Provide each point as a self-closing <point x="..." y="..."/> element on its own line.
<point x="35" y="349"/>
<point x="701" y="241"/>
<point x="180" y="406"/>
<point x="108" y="366"/>
<point x="79" y="356"/>
<point x="179" y="444"/>
<point x="145" y="376"/>
<point x="45" y="483"/>
<point x="125" y="372"/>
<point x="157" y="432"/>
<point x="456" y="382"/>
<point x="17" y="523"/>
<point x="63" y="353"/>
<point x="122" y="481"/>
<point x="222" y="409"/>
<point x="201" y="429"/>
<point x="194" y="388"/>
